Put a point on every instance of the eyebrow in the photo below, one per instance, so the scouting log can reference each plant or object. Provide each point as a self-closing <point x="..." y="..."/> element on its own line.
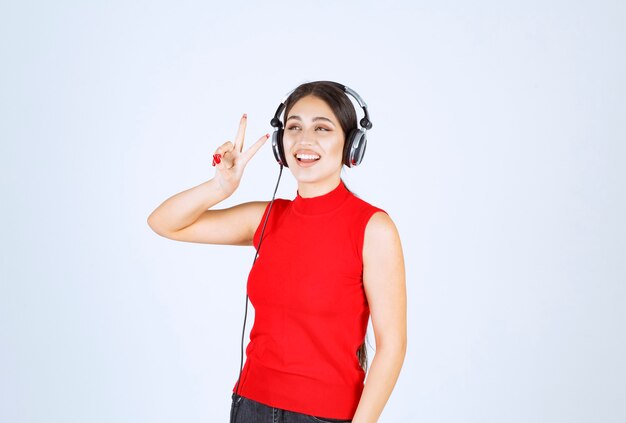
<point x="314" y="119"/>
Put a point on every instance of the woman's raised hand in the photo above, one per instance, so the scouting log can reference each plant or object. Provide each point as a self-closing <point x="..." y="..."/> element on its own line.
<point x="230" y="159"/>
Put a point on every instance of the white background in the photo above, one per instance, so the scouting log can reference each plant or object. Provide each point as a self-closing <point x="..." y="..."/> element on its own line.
<point x="498" y="149"/>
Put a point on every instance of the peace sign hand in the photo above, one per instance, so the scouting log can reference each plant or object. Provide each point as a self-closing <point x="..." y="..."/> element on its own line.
<point x="230" y="159"/>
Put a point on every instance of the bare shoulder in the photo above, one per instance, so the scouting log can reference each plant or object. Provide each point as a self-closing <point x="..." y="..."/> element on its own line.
<point x="381" y="243"/>
<point x="380" y="228"/>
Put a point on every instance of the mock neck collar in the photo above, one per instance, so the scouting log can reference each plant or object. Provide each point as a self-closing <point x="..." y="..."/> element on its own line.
<point x="322" y="203"/>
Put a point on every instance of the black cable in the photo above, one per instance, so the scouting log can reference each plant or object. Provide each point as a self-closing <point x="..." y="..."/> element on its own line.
<point x="243" y="333"/>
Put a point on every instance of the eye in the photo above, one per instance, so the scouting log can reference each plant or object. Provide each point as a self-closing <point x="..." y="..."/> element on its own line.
<point x="297" y="128"/>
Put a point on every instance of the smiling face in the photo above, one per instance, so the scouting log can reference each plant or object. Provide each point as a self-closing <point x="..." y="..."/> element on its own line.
<point x="313" y="143"/>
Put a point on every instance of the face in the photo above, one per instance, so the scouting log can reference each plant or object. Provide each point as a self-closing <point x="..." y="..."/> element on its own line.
<point x="313" y="142"/>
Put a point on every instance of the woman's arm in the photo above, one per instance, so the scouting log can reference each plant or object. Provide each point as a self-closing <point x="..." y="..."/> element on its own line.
<point x="184" y="216"/>
<point x="385" y="288"/>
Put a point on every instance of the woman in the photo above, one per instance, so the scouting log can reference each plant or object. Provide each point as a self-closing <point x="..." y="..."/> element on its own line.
<point x="329" y="261"/>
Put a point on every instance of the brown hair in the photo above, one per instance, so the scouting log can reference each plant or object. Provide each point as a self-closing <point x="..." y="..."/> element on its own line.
<point x="361" y="354"/>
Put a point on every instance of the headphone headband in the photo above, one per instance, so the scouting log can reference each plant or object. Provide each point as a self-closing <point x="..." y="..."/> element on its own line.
<point x="365" y="122"/>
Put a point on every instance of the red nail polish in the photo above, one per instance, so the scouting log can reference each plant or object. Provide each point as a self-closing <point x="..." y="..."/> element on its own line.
<point x="213" y="161"/>
<point x="217" y="158"/>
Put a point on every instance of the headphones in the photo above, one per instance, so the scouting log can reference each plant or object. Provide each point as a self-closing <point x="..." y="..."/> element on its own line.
<point x="356" y="140"/>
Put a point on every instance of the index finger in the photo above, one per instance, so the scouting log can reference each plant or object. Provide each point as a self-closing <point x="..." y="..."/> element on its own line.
<point x="241" y="132"/>
<point x="254" y="148"/>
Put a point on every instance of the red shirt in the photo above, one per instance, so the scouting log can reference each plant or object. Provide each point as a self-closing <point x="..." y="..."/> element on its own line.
<point x="311" y="312"/>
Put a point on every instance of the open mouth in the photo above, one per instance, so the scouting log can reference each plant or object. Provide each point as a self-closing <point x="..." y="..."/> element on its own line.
<point x="307" y="158"/>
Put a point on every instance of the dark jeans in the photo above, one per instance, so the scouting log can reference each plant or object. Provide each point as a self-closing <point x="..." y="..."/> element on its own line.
<point x="245" y="410"/>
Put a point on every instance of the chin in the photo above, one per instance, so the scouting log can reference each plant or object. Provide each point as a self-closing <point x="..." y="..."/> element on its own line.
<point x="305" y="176"/>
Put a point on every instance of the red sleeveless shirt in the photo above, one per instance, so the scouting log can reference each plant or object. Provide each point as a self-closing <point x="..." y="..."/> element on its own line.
<point x="311" y="312"/>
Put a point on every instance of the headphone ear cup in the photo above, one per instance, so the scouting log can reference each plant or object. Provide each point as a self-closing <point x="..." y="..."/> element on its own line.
<point x="277" y="147"/>
<point x="348" y="147"/>
<point x="355" y="147"/>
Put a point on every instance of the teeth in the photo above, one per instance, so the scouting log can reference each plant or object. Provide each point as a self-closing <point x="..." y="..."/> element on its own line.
<point x="307" y="156"/>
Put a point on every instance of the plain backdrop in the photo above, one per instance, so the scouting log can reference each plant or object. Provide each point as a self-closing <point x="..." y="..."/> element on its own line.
<point x="498" y="148"/>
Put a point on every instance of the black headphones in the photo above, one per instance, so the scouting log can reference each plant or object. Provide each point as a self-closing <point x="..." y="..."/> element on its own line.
<point x="356" y="140"/>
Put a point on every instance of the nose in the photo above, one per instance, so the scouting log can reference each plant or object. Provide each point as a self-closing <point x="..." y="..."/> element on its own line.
<point x="303" y="138"/>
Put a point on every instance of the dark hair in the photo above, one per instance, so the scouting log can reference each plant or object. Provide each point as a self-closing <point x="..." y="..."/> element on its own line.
<point x="332" y="94"/>
<point x="361" y="354"/>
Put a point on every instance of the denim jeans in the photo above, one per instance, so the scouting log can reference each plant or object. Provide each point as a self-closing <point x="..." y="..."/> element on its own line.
<point x="245" y="410"/>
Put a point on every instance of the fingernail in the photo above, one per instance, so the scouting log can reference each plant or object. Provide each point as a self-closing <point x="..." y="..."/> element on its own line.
<point x="245" y="115"/>
<point x="213" y="162"/>
<point x="267" y="135"/>
<point x="217" y="158"/>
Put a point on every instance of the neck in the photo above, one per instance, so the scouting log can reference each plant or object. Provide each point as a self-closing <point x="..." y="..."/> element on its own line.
<point x="315" y="189"/>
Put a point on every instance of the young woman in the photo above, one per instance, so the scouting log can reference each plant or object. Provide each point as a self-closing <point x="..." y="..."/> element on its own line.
<point x="329" y="261"/>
